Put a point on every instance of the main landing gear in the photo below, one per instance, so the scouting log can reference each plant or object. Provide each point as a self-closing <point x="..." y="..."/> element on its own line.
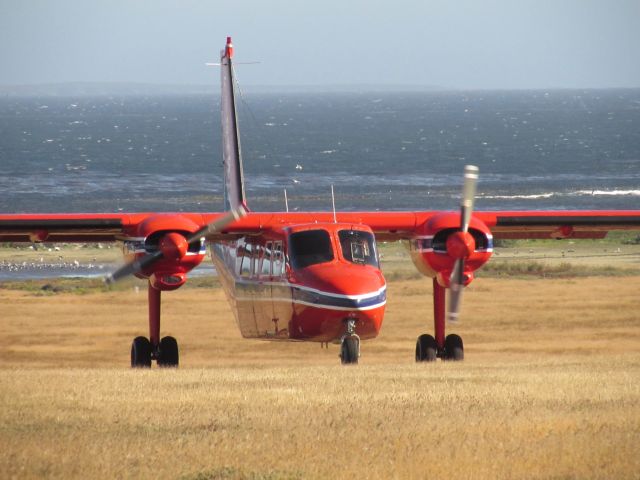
<point x="350" y="344"/>
<point x="429" y="348"/>
<point x="164" y="351"/>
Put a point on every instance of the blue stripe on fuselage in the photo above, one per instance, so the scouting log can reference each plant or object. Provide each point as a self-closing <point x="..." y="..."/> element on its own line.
<point x="283" y="291"/>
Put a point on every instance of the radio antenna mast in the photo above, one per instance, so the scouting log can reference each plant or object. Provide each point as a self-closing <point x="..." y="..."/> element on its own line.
<point x="333" y="203"/>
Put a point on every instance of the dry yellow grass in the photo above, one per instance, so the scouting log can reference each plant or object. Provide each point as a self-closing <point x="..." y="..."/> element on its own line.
<point x="550" y="388"/>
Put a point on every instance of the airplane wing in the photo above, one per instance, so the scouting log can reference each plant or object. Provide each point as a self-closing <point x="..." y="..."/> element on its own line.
<point x="107" y="227"/>
<point x="97" y="227"/>
<point x="503" y="224"/>
<point x="63" y="228"/>
<point x="111" y="227"/>
<point x="559" y="224"/>
<point x="166" y="244"/>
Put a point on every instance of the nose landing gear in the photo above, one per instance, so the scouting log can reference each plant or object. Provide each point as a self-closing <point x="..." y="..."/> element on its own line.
<point x="350" y="344"/>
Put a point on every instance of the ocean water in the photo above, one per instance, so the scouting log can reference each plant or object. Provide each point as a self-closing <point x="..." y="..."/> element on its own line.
<point x="568" y="149"/>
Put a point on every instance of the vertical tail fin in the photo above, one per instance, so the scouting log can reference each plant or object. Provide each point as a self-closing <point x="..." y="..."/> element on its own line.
<point x="234" y="196"/>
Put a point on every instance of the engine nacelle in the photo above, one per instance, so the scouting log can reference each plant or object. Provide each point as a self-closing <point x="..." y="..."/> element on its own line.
<point x="168" y="234"/>
<point x="167" y="280"/>
<point x="440" y="243"/>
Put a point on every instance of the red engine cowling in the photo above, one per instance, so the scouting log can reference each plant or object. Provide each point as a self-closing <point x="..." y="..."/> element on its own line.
<point x="168" y="234"/>
<point x="440" y="243"/>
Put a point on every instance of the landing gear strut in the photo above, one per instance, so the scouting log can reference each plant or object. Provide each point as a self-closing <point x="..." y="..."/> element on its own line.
<point x="164" y="351"/>
<point x="350" y="344"/>
<point x="429" y="348"/>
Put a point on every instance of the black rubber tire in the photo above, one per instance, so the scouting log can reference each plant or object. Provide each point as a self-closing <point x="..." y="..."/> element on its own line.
<point x="349" y="350"/>
<point x="141" y="353"/>
<point x="168" y="355"/>
<point x="426" y="348"/>
<point x="454" y="348"/>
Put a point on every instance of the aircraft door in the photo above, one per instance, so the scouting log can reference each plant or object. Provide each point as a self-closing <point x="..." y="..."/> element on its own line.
<point x="264" y="291"/>
<point x="245" y="264"/>
<point x="280" y="291"/>
<point x="273" y="319"/>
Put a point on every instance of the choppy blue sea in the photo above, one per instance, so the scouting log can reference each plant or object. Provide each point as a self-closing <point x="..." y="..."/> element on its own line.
<point x="568" y="149"/>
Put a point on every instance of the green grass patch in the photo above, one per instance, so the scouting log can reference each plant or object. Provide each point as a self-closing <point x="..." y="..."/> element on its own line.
<point x="83" y="286"/>
<point x="53" y="286"/>
<point x="231" y="473"/>
<point x="618" y="237"/>
<point x="510" y="268"/>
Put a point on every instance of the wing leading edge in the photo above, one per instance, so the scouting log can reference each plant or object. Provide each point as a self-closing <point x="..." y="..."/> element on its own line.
<point x="63" y="228"/>
<point x="503" y="224"/>
<point x="85" y="228"/>
<point x="96" y="227"/>
<point x="559" y="224"/>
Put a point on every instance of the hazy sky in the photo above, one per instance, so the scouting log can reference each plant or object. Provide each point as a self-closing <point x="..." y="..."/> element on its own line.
<point x="448" y="43"/>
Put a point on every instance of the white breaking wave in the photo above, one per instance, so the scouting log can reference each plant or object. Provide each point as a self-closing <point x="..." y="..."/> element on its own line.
<point x="634" y="193"/>
<point x="526" y="197"/>
<point x="577" y="193"/>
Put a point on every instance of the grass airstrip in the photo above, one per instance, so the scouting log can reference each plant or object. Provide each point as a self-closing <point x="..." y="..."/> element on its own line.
<point x="550" y="385"/>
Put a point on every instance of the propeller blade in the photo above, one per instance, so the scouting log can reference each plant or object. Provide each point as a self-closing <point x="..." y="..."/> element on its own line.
<point x="218" y="224"/>
<point x="456" y="286"/>
<point x="468" y="196"/>
<point x="134" y="267"/>
<point x="457" y="274"/>
<point x="456" y="280"/>
<point x="455" y="291"/>
<point x="455" y="299"/>
<point x="150" y="258"/>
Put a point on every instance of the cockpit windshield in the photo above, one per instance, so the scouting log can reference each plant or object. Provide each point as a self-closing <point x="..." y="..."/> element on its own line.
<point x="309" y="247"/>
<point x="358" y="247"/>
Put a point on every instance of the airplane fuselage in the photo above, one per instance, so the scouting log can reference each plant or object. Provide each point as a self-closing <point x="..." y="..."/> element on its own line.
<point x="303" y="282"/>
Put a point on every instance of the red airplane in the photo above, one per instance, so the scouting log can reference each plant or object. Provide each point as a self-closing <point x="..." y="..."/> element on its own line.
<point x="311" y="276"/>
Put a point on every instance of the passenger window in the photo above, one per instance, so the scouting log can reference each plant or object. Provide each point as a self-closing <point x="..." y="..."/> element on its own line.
<point x="229" y="255"/>
<point x="266" y="260"/>
<point x="358" y="247"/>
<point x="239" y="256"/>
<point x="255" y="264"/>
<point x="278" y="263"/>
<point x="247" y="261"/>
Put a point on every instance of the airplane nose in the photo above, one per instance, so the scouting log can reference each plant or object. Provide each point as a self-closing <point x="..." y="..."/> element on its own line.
<point x="348" y="280"/>
<point x="336" y="293"/>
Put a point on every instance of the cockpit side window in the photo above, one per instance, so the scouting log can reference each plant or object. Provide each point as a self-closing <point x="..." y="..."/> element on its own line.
<point x="310" y="247"/>
<point x="358" y="247"/>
